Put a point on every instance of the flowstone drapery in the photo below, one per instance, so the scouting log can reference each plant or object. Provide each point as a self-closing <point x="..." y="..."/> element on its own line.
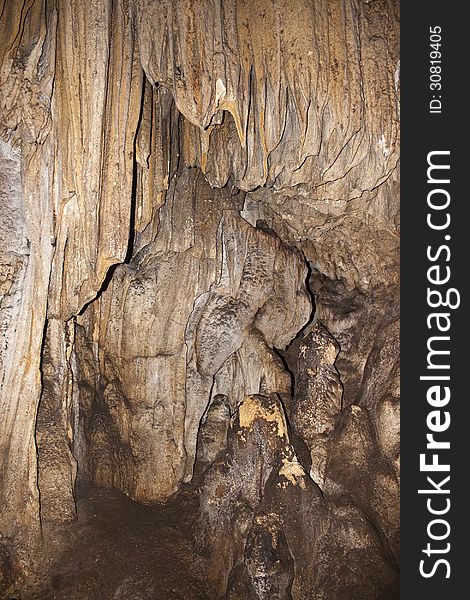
<point x="199" y="216"/>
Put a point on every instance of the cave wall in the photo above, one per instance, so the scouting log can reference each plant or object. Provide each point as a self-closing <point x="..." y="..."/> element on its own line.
<point x="153" y="167"/>
<point x="194" y="314"/>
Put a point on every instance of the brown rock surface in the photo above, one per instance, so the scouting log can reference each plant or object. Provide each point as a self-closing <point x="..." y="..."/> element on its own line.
<point x="318" y="397"/>
<point x="179" y="181"/>
<point x="212" y="291"/>
<point x="260" y="512"/>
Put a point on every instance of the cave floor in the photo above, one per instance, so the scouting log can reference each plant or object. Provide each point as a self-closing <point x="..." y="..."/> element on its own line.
<point x="118" y="550"/>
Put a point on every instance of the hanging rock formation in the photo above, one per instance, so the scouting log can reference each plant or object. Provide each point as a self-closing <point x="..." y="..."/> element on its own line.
<point x="199" y="226"/>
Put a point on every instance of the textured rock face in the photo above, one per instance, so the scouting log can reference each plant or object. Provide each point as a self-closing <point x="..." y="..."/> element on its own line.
<point x="183" y="187"/>
<point x="25" y="210"/>
<point x="54" y="432"/>
<point x="273" y="76"/>
<point x="232" y="495"/>
<point x="260" y="514"/>
<point x="215" y="295"/>
<point x="212" y="435"/>
<point x="317" y="398"/>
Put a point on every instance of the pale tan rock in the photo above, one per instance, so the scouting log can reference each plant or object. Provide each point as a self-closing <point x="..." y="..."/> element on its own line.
<point x="26" y="78"/>
<point x="281" y="75"/>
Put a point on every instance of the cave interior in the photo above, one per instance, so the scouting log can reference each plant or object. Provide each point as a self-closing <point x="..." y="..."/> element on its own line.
<point x="199" y="300"/>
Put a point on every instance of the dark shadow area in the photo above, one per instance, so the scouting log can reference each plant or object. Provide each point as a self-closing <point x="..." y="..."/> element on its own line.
<point x="118" y="549"/>
<point x="290" y="354"/>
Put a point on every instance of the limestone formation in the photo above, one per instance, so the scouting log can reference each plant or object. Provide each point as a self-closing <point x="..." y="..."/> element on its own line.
<point x="317" y="398"/>
<point x="355" y="462"/>
<point x="232" y="493"/>
<point x="199" y="244"/>
<point x="212" y="434"/>
<point x="212" y="292"/>
<point x="268" y="568"/>
<point x="260" y="512"/>
<point x="54" y="433"/>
